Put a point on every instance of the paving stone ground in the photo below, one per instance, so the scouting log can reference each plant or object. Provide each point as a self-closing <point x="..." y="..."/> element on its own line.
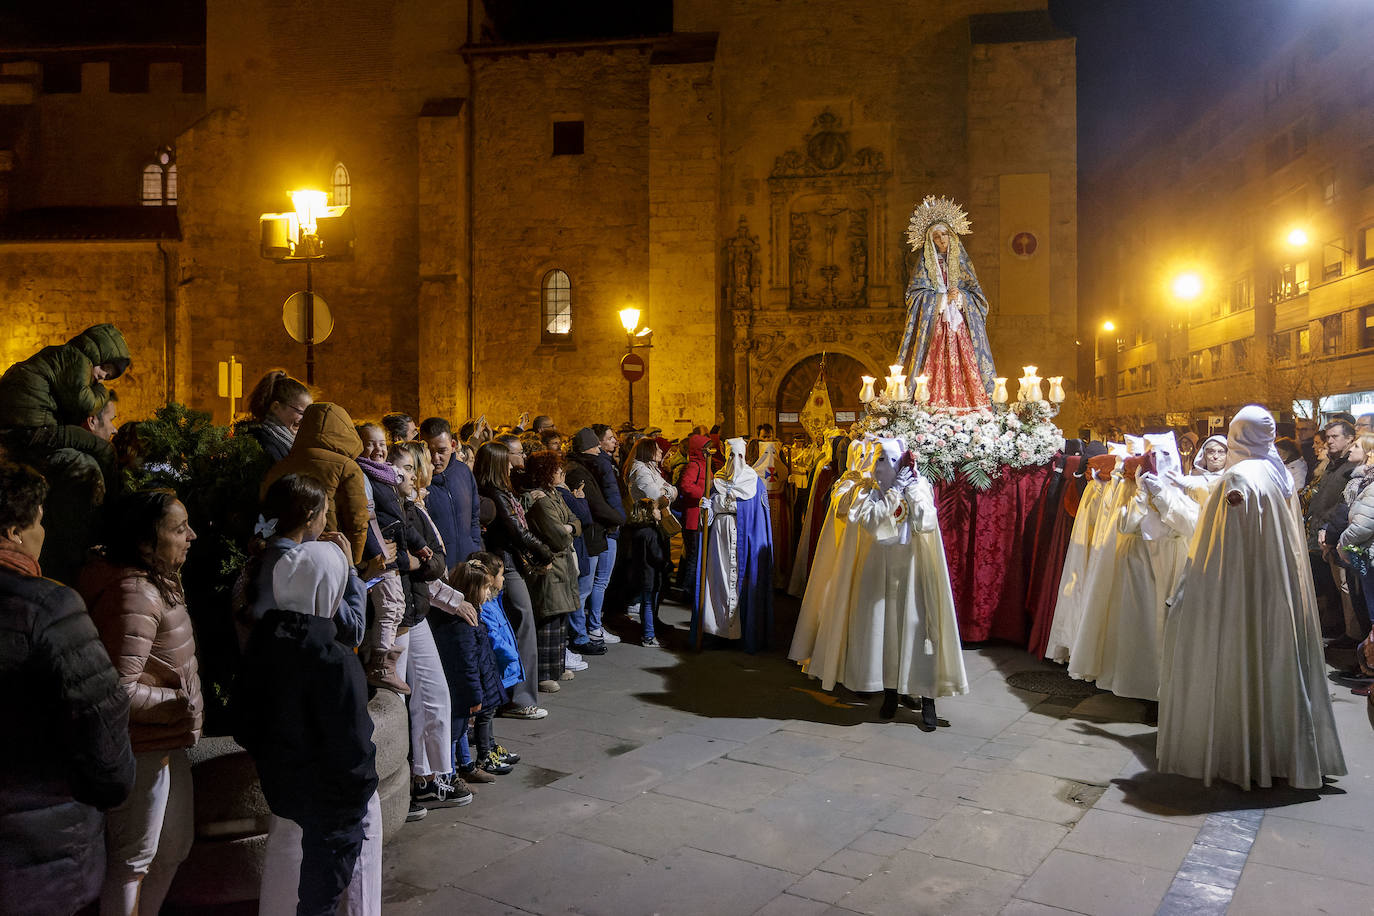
<point x="666" y="781"/>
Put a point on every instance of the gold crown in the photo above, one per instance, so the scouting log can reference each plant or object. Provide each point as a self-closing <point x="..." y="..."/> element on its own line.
<point x="934" y="210"/>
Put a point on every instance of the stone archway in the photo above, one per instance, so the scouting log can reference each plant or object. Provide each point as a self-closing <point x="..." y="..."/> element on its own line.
<point x="842" y="380"/>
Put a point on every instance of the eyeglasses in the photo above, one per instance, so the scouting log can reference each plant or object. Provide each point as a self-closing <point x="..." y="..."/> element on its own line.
<point x="300" y="411"/>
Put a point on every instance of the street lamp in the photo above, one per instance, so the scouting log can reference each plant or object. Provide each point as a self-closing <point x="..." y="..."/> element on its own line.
<point x="1108" y="327"/>
<point x="1298" y="237"/>
<point x="1187" y="285"/>
<point x="313" y="231"/>
<point x="632" y="366"/>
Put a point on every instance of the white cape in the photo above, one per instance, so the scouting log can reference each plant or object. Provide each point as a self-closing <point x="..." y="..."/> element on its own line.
<point x="1243" y="690"/>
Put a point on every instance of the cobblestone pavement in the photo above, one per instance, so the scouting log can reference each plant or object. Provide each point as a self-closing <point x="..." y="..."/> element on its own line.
<point x="665" y="781"/>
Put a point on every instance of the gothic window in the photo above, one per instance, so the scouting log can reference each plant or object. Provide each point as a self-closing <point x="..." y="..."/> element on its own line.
<point x="152" y="185"/>
<point x="557" y="306"/>
<point x="343" y="188"/>
<point x="159" y="177"/>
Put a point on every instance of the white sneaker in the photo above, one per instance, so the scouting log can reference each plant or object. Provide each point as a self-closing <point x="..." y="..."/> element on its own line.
<point x="604" y="635"/>
<point x="572" y="661"/>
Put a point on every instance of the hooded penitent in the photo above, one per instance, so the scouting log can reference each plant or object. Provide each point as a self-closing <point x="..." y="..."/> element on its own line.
<point x="737" y="600"/>
<point x="1243" y="690"/>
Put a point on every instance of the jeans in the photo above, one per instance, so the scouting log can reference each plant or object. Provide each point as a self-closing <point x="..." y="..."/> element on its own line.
<point x="646" y="611"/>
<point x="482" y="734"/>
<point x="149" y="835"/>
<point x="601" y="578"/>
<point x="577" y="620"/>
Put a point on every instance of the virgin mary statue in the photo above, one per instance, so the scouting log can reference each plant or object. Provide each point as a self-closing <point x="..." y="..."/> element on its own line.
<point x="946" y="336"/>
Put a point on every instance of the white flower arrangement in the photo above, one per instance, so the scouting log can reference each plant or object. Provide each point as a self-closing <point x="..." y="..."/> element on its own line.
<point x="978" y="443"/>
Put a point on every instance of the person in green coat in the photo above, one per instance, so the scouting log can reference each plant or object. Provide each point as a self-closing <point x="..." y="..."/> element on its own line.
<point x="44" y="402"/>
<point x="45" y="399"/>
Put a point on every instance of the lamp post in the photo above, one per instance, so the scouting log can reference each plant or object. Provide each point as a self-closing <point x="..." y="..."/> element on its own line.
<point x="632" y="366"/>
<point x="313" y="231"/>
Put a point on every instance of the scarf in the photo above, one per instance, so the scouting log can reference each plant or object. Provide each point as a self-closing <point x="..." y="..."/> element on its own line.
<point x="279" y="434"/>
<point x="379" y="471"/>
<point x="19" y="562"/>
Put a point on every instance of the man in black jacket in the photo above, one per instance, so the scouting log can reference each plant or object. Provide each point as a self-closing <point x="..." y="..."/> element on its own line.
<point x="1327" y="504"/>
<point x="68" y="756"/>
<point x="589" y="466"/>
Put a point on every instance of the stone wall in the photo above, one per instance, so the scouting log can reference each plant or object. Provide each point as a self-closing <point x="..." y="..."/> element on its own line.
<point x="1022" y="114"/>
<point x="51" y="291"/>
<point x="897" y="78"/>
<point x="684" y="200"/>
<point x="89" y="148"/>
<point x="587" y="215"/>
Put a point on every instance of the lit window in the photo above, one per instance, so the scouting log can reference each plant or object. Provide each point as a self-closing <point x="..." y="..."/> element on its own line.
<point x="1367" y="327"/>
<point x="152" y="186"/>
<point x="1304" y="341"/>
<point x="557" y="305"/>
<point x="159" y="179"/>
<point x="343" y="188"/>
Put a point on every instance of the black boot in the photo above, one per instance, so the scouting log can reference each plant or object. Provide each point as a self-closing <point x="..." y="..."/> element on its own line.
<point x="928" y="718"/>
<point x="889" y="704"/>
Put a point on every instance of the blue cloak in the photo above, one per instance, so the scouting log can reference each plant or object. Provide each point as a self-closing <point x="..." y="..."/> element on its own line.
<point x="922" y="295"/>
<point x="754" y="533"/>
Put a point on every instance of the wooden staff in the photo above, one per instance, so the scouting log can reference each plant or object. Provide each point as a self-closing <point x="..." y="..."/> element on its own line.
<point x="701" y="574"/>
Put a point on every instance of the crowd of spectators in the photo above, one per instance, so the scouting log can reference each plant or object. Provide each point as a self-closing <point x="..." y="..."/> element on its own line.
<point x="467" y="568"/>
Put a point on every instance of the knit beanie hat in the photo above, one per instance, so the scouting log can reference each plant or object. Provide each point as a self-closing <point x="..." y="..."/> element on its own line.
<point x="584" y="440"/>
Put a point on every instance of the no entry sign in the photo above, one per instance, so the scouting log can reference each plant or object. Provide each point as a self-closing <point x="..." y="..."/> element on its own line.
<point x="632" y="367"/>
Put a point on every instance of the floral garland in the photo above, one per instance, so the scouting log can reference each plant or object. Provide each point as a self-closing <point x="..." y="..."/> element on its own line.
<point x="978" y="443"/>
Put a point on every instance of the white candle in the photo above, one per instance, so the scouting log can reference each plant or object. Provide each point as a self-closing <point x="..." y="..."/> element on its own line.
<point x="999" y="391"/>
<point x="1057" y="389"/>
<point x="866" y="394"/>
<point x="923" y="389"/>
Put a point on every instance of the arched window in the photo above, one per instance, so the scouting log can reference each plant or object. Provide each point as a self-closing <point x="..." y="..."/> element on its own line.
<point x="152" y="185"/>
<point x="343" y="189"/>
<point x="557" y="305"/>
<point x="159" y="187"/>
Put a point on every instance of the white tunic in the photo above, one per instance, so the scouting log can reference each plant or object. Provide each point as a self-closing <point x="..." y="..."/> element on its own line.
<point x="903" y="631"/>
<point x="819" y="639"/>
<point x="1243" y="690"/>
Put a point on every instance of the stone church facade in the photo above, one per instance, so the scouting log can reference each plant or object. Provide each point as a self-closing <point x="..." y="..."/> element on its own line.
<point x="744" y="181"/>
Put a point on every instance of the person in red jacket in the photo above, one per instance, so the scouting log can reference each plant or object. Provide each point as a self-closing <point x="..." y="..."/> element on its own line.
<point x="692" y="486"/>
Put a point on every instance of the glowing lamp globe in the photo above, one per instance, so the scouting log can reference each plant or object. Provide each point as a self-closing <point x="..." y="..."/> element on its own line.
<point x="1187" y="286"/>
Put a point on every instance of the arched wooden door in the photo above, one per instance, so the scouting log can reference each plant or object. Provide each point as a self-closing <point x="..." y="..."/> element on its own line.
<point x="842" y="380"/>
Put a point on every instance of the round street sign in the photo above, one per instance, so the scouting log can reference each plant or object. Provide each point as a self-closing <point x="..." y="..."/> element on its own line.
<point x="632" y="367"/>
<point x="293" y="316"/>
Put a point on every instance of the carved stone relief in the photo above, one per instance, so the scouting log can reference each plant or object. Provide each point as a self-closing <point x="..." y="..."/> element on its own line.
<point x="829" y="221"/>
<point x="742" y="268"/>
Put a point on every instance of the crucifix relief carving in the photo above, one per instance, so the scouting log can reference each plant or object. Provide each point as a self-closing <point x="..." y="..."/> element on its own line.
<point x="828" y="210"/>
